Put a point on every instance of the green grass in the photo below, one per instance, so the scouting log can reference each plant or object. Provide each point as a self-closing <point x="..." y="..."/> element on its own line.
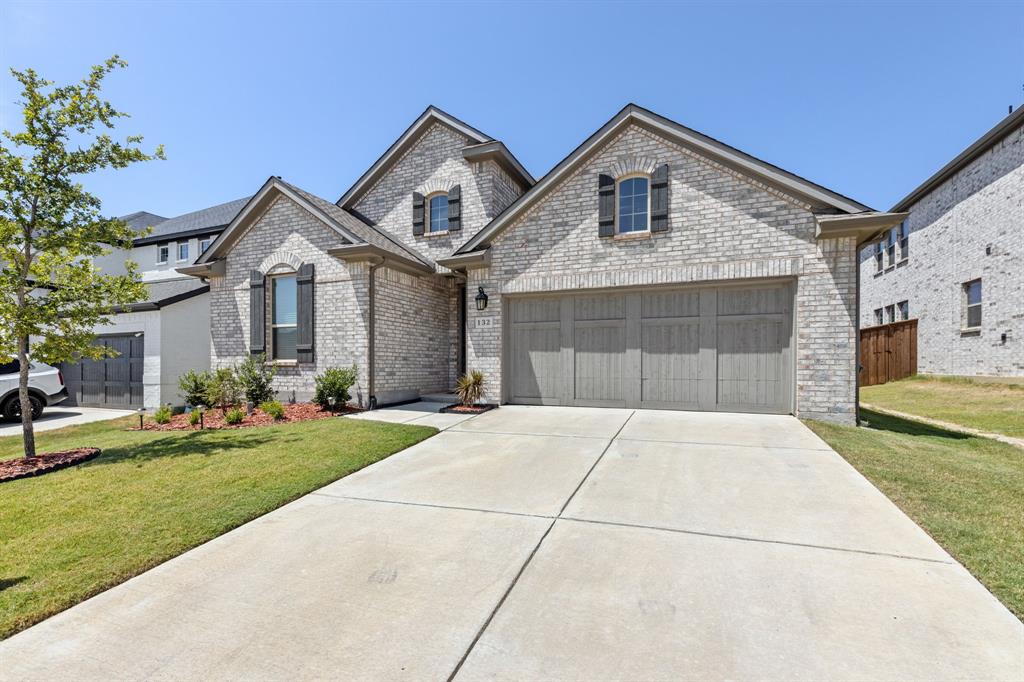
<point x="150" y="496"/>
<point x="993" y="407"/>
<point x="966" y="491"/>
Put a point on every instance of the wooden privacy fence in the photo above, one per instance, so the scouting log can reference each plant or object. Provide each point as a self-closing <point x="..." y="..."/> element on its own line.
<point x="888" y="352"/>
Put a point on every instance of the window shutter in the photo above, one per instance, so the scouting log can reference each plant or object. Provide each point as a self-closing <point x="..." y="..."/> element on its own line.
<point x="605" y="206"/>
<point x="304" y="313"/>
<point x="659" y="199"/>
<point x="417" y="213"/>
<point x="455" y="208"/>
<point x="257" y="312"/>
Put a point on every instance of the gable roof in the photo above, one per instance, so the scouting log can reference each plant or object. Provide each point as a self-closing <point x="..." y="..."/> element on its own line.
<point x="140" y="220"/>
<point x="349" y="228"/>
<point x="1013" y="121"/>
<point x="203" y="221"/>
<point x="164" y="293"/>
<point x="820" y="197"/>
<point x="408" y="138"/>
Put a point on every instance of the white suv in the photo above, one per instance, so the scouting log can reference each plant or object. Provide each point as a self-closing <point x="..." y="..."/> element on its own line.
<point x="45" y="387"/>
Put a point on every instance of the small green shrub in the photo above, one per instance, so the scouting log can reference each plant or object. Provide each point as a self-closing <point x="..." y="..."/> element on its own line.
<point x="273" y="408"/>
<point x="234" y="416"/>
<point x="193" y="417"/>
<point x="162" y="414"/>
<point x="224" y="389"/>
<point x="334" y="384"/>
<point x="195" y="387"/>
<point x="256" y="378"/>
<point x="470" y="387"/>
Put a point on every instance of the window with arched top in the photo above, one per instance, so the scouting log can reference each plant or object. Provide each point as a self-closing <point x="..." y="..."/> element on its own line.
<point x="437" y="205"/>
<point x="633" y="204"/>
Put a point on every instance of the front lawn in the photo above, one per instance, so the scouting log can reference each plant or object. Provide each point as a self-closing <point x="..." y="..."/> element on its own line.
<point x="987" y="406"/>
<point x="966" y="491"/>
<point x="151" y="495"/>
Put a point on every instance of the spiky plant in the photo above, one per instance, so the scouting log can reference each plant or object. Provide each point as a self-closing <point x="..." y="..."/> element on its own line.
<point x="470" y="387"/>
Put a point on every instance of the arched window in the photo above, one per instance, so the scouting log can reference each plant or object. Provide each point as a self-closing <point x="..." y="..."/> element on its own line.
<point x="438" y="207"/>
<point x="634" y="204"/>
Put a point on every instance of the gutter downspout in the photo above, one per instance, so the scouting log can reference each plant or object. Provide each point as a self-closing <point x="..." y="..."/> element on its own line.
<point x="371" y="334"/>
<point x="856" y="341"/>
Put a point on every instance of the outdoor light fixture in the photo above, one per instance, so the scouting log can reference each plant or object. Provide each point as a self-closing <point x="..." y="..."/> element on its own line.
<point x="481" y="299"/>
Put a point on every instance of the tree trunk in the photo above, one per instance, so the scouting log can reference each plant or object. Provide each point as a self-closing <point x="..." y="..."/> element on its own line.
<point x="28" y="433"/>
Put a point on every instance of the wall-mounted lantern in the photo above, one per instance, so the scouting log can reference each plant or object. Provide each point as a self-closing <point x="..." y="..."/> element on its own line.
<point x="481" y="299"/>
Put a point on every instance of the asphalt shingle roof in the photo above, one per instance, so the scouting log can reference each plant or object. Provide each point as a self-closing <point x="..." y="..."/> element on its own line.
<point x="213" y="219"/>
<point x="140" y="220"/>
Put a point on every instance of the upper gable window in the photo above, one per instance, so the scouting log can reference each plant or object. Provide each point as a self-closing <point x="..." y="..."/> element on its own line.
<point x="634" y="205"/>
<point x="438" y="207"/>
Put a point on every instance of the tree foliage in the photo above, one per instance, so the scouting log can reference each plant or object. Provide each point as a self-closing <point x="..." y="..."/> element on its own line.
<point x="52" y="227"/>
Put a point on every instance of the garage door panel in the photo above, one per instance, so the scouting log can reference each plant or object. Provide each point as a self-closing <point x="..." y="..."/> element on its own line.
<point x="753" y="300"/>
<point x="600" y="307"/>
<point x="751" y="363"/>
<point x="669" y="361"/>
<point x="599" y="359"/>
<point x="661" y="304"/>
<point x="536" y="362"/>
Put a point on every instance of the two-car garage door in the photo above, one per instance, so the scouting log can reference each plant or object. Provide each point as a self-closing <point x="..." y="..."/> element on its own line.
<point x="725" y="347"/>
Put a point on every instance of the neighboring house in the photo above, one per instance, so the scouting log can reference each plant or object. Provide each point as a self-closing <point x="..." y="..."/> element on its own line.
<point x="167" y="334"/>
<point x="653" y="267"/>
<point x="957" y="262"/>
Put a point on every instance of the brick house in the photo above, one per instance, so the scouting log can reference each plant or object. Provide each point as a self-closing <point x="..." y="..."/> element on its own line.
<point x="652" y="267"/>
<point x="956" y="263"/>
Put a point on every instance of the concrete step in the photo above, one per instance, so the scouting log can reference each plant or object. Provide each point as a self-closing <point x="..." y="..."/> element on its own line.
<point x="449" y="397"/>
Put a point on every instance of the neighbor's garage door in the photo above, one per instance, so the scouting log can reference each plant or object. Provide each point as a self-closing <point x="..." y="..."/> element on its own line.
<point x="724" y="348"/>
<point x="112" y="381"/>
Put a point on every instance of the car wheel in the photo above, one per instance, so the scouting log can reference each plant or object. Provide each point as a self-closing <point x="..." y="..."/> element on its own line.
<point x="12" y="408"/>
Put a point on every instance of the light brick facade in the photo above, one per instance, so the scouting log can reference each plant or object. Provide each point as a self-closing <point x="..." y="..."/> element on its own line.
<point x="723" y="227"/>
<point x="970" y="227"/>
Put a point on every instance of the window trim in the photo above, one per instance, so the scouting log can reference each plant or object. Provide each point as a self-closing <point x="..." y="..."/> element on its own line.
<point x="903" y="239"/>
<point x="890" y="313"/>
<point x="427" y="232"/>
<point x="965" y="298"/>
<point x="890" y="248"/>
<point x="879" y="316"/>
<point x="273" y="325"/>
<point x="205" y="240"/>
<point x="879" y="256"/>
<point x="903" y="310"/>
<point x="160" y="247"/>
<point x="177" y="251"/>
<point x="618" y="184"/>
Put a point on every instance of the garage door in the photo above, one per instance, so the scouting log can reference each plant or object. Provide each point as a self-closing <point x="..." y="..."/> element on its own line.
<point x="726" y="348"/>
<point x="110" y="382"/>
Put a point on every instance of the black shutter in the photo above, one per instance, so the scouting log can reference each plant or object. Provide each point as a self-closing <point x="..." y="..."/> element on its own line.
<point x="417" y="213"/>
<point x="304" y="333"/>
<point x="659" y="199"/>
<point x="257" y="312"/>
<point x="605" y="206"/>
<point x="455" y="208"/>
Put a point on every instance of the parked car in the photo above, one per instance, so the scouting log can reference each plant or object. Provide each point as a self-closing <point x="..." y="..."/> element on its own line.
<point x="45" y="387"/>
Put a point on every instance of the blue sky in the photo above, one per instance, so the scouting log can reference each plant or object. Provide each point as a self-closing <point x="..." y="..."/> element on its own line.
<point x="867" y="99"/>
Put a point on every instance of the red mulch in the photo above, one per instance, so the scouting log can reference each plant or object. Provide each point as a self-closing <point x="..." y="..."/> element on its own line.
<point x="214" y="418"/>
<point x="23" y="467"/>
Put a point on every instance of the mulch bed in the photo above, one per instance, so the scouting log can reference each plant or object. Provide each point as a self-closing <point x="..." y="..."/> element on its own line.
<point x="214" y="418"/>
<point x="467" y="409"/>
<point x="23" y="467"/>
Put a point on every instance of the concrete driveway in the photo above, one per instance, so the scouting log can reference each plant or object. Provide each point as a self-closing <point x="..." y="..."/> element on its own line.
<point x="58" y="416"/>
<point x="556" y="543"/>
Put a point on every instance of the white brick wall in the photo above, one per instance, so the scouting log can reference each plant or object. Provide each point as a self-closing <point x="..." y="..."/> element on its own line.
<point x="435" y="163"/>
<point x="723" y="227"/>
<point x="950" y="230"/>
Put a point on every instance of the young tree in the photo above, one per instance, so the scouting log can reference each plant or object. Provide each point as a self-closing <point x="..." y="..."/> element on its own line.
<point x="51" y="227"/>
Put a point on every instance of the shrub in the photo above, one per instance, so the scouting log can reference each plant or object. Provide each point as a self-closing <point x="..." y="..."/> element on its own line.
<point x="470" y="387"/>
<point x="256" y="378"/>
<point x="234" y="416"/>
<point x="334" y="383"/>
<point x="162" y="414"/>
<point x="194" y="387"/>
<point x="224" y="389"/>
<point x="273" y="408"/>
<point x="193" y="417"/>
